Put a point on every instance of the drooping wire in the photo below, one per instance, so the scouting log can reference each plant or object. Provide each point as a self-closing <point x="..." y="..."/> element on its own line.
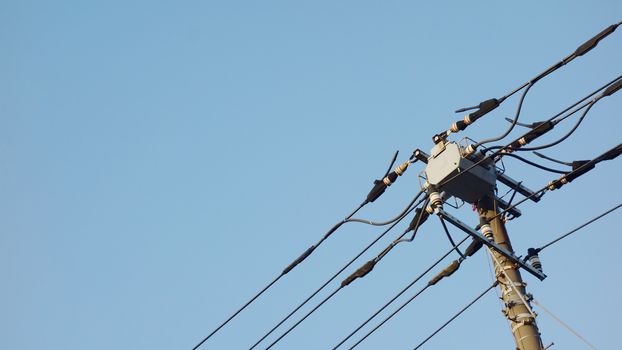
<point x="336" y="274"/>
<point x="514" y="121"/>
<point x="456" y="315"/>
<point x="451" y="240"/>
<point x="387" y="222"/>
<point x="323" y="301"/>
<point x="539" y="166"/>
<point x="420" y="276"/>
<point x="499" y="149"/>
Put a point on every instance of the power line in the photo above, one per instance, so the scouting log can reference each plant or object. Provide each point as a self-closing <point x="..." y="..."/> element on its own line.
<point x="343" y="284"/>
<point x="337" y="274"/>
<point x="438" y="261"/>
<point x="456" y="315"/>
<point x="579" y="227"/>
<point x="564" y="324"/>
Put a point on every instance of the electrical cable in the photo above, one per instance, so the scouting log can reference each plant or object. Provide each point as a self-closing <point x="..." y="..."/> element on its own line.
<point x="579" y="227"/>
<point x="283" y="273"/>
<point x="567" y="135"/>
<point x="451" y="240"/>
<point x="527" y="161"/>
<point x="387" y="222"/>
<point x="438" y="261"/>
<point x="321" y="303"/>
<point x="456" y="315"/>
<point x="487" y="106"/>
<point x="514" y="121"/>
<point x="446" y="272"/>
<point x="336" y="274"/>
<point x="539" y="130"/>
<point x="568" y="177"/>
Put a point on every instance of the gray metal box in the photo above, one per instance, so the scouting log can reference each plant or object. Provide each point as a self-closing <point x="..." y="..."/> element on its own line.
<point x="446" y="161"/>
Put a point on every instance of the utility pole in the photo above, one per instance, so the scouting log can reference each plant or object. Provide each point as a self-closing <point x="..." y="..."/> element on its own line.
<point x="521" y="318"/>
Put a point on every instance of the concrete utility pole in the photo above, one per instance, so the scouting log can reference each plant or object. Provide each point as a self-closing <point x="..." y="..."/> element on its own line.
<point x="521" y="318"/>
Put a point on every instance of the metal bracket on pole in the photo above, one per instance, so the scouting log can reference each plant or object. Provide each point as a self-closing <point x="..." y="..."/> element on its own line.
<point x="476" y="235"/>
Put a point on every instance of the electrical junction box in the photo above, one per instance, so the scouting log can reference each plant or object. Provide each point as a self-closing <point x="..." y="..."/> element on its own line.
<point x="446" y="161"/>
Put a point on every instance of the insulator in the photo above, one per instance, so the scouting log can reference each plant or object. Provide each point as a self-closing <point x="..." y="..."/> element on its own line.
<point x="435" y="200"/>
<point x="487" y="232"/>
<point x="534" y="259"/>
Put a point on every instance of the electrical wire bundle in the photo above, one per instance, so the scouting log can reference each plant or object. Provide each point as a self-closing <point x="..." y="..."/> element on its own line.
<point x="428" y="201"/>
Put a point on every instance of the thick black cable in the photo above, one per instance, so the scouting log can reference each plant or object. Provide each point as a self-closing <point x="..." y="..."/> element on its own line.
<point x="527" y="161"/>
<point x="495" y="153"/>
<point x="429" y="284"/>
<point x="387" y="222"/>
<point x="579" y="227"/>
<point x="327" y="298"/>
<point x="456" y="315"/>
<point x="451" y="240"/>
<point x="289" y="268"/>
<point x="563" y="138"/>
<point x="438" y="261"/>
<point x="570" y="175"/>
<point x="337" y="274"/>
<point x="514" y="121"/>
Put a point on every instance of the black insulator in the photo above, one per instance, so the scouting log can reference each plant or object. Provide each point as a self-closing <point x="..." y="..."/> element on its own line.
<point x="360" y="273"/>
<point x="613" y="88"/>
<point x="376" y="191"/>
<point x="534" y="259"/>
<point x="590" y="44"/>
<point x="448" y="271"/>
<point x="473" y="247"/>
<point x="484" y="108"/>
<point x="299" y="259"/>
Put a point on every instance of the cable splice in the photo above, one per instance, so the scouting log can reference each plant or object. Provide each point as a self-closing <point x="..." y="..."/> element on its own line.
<point x="420" y="217"/>
<point x="487" y="106"/>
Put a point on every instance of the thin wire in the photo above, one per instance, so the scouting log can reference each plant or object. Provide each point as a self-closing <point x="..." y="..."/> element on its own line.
<point x="507" y="132"/>
<point x="274" y="281"/>
<point x="456" y="315"/>
<point x="579" y="227"/>
<point x="438" y="261"/>
<point x="237" y="312"/>
<point x="565" y="325"/>
<point x="391" y="315"/>
<point x="335" y="275"/>
<point x="305" y="317"/>
<point x="535" y="164"/>
<point x="511" y="283"/>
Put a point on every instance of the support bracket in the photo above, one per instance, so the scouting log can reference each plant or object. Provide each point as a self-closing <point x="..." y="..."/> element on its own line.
<point x="478" y="236"/>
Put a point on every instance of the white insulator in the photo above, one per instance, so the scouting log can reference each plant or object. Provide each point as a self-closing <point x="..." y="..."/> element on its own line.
<point x="487" y="232"/>
<point x="435" y="200"/>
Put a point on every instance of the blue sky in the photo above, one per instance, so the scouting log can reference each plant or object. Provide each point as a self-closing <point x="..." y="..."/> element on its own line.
<point x="162" y="161"/>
